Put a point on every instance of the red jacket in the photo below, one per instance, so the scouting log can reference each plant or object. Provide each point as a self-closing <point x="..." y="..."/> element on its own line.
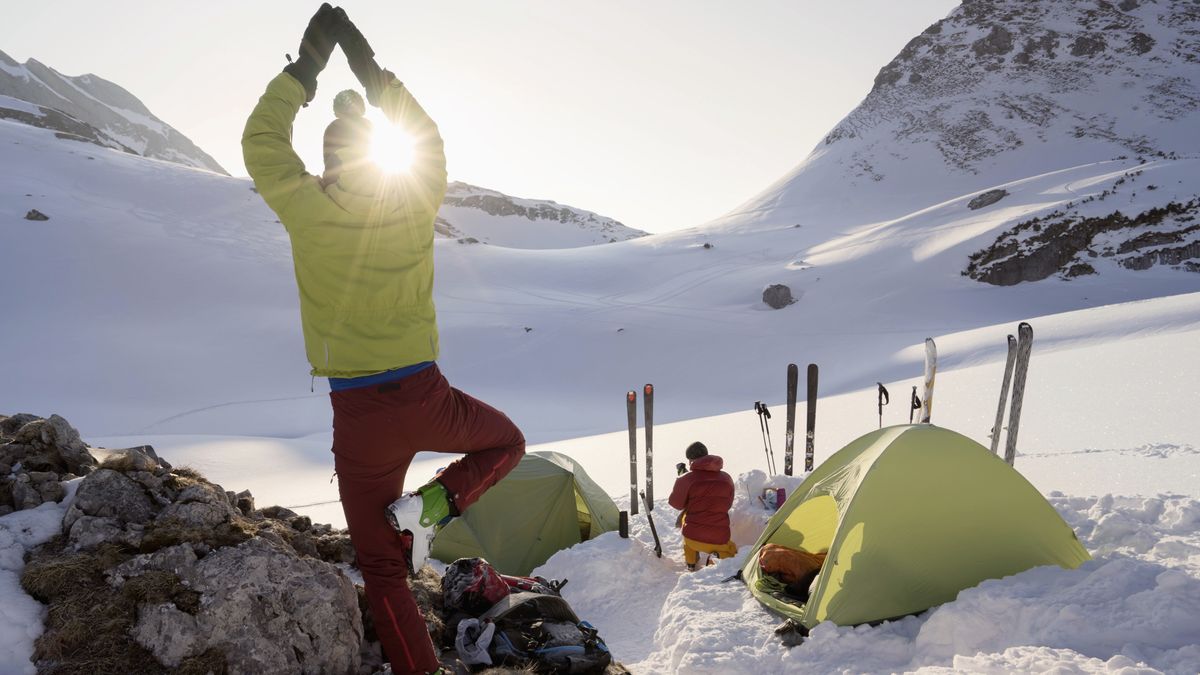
<point x="705" y="493"/>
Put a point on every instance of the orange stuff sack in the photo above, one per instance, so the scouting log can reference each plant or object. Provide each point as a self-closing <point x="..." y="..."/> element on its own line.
<point x="788" y="564"/>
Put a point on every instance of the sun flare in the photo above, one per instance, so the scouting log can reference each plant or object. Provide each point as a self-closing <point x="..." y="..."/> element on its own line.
<point x="391" y="147"/>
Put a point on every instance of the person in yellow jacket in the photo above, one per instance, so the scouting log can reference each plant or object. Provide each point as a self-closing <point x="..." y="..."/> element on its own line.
<point x="362" y="243"/>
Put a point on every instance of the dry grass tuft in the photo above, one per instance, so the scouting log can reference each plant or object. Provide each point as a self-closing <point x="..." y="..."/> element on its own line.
<point x="87" y="624"/>
<point x="168" y="532"/>
<point x="187" y="472"/>
<point x="88" y="621"/>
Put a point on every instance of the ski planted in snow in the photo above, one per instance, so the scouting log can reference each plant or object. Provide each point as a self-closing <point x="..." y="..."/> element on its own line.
<point x="648" y="398"/>
<point x="812" y="417"/>
<point x="1004" y="384"/>
<point x="631" y="408"/>
<point x="789" y="439"/>
<point x="1020" y="370"/>
<point x="930" y="375"/>
<point x="653" y="529"/>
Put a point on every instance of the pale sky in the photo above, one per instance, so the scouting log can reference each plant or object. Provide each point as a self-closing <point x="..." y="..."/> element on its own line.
<point x="662" y="114"/>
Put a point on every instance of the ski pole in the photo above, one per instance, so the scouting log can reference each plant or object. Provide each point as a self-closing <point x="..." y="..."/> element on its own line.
<point x="763" y="416"/>
<point x="884" y="399"/>
<point x="770" y="445"/>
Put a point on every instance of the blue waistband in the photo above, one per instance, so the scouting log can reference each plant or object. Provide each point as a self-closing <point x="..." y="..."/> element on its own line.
<point x="340" y="383"/>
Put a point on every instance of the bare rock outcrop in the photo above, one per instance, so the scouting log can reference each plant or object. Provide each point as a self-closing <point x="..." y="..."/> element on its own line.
<point x="267" y="609"/>
<point x="160" y="570"/>
<point x="1078" y="238"/>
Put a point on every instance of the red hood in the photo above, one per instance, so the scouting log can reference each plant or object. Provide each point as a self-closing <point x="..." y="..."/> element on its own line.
<point x="708" y="463"/>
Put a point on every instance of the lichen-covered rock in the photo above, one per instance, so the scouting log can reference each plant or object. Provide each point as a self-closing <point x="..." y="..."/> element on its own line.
<point x="108" y="495"/>
<point x="10" y="425"/>
<point x="280" y="513"/>
<point x="49" y="445"/>
<point x="89" y="532"/>
<point x="266" y="609"/>
<point x="777" y="296"/>
<point x="244" y="501"/>
<point x="31" y="490"/>
<point x="173" y="559"/>
<point x="200" y="504"/>
<point x="140" y="458"/>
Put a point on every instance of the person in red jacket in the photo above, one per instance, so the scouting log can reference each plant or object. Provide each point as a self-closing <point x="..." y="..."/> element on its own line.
<point x="704" y="495"/>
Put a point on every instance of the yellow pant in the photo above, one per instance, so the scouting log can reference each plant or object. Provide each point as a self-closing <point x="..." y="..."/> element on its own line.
<point x="692" y="550"/>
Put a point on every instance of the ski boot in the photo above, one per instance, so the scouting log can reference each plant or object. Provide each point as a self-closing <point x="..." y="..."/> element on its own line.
<point x="417" y="516"/>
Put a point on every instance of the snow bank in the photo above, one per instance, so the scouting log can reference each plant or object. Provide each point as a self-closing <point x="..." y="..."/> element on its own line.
<point x="21" y="616"/>
<point x="1135" y="608"/>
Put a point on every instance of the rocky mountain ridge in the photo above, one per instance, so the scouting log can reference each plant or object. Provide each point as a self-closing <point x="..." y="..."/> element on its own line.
<point x="999" y="91"/>
<point x="92" y="108"/>
<point x="490" y="216"/>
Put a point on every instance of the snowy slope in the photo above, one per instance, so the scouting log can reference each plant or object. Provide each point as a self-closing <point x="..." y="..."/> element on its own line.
<point x="493" y="217"/>
<point x="997" y="91"/>
<point x="152" y="288"/>
<point x="118" y="115"/>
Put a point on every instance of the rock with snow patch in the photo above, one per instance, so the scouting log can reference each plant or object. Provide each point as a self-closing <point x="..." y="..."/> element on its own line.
<point x="34" y="214"/>
<point x="986" y="199"/>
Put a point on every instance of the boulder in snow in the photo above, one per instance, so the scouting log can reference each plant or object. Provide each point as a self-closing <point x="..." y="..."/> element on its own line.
<point x="777" y="296"/>
<point x="986" y="199"/>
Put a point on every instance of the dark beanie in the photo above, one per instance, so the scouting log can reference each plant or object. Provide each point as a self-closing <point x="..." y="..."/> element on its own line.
<point x="695" y="451"/>
<point x="349" y="130"/>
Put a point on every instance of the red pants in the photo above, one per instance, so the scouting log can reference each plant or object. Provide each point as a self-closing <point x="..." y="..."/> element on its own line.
<point x="376" y="432"/>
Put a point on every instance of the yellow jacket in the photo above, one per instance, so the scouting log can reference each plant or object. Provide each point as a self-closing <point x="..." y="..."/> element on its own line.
<point x="363" y="246"/>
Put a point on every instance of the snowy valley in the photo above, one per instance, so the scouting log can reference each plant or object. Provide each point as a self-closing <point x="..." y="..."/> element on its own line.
<point x="1018" y="161"/>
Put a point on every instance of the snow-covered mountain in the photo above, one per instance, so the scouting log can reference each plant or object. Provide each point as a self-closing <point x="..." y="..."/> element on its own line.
<point x="93" y="108"/>
<point x="998" y="91"/>
<point x="471" y="213"/>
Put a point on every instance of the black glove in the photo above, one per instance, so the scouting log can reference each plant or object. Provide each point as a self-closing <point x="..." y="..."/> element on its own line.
<point x="361" y="58"/>
<point x="315" y="48"/>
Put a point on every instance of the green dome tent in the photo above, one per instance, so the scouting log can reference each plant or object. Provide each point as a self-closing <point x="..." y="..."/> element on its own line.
<point x="544" y="505"/>
<point x="910" y="516"/>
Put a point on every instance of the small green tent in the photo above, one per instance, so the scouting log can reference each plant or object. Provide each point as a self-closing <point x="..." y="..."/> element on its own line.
<point x="910" y="516"/>
<point x="544" y="505"/>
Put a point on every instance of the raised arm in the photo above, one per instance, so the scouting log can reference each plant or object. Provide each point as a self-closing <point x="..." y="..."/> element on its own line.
<point x="398" y="105"/>
<point x="277" y="170"/>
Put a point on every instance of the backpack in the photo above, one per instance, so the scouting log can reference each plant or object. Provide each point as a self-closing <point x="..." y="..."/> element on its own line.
<point x="472" y="586"/>
<point x="542" y="631"/>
